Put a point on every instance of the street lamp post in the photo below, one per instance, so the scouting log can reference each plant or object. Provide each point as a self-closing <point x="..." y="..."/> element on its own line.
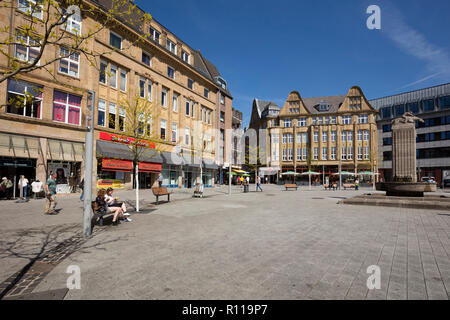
<point x="88" y="166"/>
<point x="340" y="173"/>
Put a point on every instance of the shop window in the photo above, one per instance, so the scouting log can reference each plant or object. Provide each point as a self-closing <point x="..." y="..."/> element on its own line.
<point x="24" y="99"/>
<point x="66" y="108"/>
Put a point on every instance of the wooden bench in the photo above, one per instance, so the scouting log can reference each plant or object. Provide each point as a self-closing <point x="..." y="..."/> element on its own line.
<point x="330" y="186"/>
<point x="290" y="186"/>
<point x="198" y="192"/>
<point x="349" y="186"/>
<point x="161" y="191"/>
<point x="98" y="217"/>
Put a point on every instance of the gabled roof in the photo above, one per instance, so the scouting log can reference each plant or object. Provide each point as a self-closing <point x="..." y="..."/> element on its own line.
<point x="334" y="102"/>
<point x="263" y="105"/>
<point x="205" y="67"/>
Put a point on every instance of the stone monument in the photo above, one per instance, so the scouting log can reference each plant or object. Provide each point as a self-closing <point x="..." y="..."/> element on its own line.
<point x="404" y="161"/>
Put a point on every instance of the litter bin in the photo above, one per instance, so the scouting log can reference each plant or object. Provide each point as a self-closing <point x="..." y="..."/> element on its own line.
<point x="246" y="188"/>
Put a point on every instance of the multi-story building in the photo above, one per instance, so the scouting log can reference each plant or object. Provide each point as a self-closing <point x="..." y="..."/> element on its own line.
<point x="47" y="133"/>
<point x="433" y="136"/>
<point x="319" y="134"/>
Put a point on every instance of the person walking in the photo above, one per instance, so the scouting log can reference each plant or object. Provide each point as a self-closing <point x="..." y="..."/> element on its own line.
<point x="50" y="195"/>
<point x="160" y="180"/>
<point x="23" y="185"/>
<point x="82" y="190"/>
<point x="8" y="187"/>
<point x="357" y="184"/>
<point x="258" y="184"/>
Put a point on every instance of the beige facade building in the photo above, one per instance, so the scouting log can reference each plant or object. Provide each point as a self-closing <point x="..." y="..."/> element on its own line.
<point x="47" y="132"/>
<point x="319" y="134"/>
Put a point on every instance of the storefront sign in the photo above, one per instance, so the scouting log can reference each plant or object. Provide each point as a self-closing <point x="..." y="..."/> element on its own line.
<point x="117" y="165"/>
<point x="110" y="183"/>
<point x="149" y="167"/>
<point x="126" y="140"/>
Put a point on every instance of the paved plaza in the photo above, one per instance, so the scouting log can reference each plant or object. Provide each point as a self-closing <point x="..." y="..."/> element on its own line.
<point x="269" y="245"/>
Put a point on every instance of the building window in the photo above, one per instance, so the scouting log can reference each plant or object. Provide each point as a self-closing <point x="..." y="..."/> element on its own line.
<point x="174" y="132"/>
<point x="185" y="56"/>
<point x="149" y="125"/>
<point x="123" y="80"/>
<point x="319" y="121"/>
<point x="301" y="122"/>
<point x="170" y="72"/>
<point x="316" y="136"/>
<point x="284" y="155"/>
<point x="209" y="116"/>
<point x="121" y="119"/>
<point x="350" y="153"/>
<point x="366" y="153"/>
<point x="141" y="124"/>
<point x="366" y="135"/>
<point x="290" y="154"/>
<point x="149" y="90"/>
<point x="359" y="135"/>
<point x="190" y="84"/>
<point x="413" y="108"/>
<point x="285" y="138"/>
<point x="333" y="136"/>
<point x="188" y="107"/>
<point x="192" y="109"/>
<point x="350" y="136"/>
<point x="305" y="154"/>
<point x="360" y="153"/>
<point x="164" y="97"/>
<point x="222" y="116"/>
<point x="73" y="23"/>
<point x="103" y="67"/>
<point x="66" y="108"/>
<point x="175" y="102"/>
<point x="146" y="58"/>
<point x="101" y="112"/>
<point x="31" y="7"/>
<point x="324" y="153"/>
<point x="69" y="62"/>
<point x="333" y="153"/>
<point x="24" y="99"/>
<point x="112" y="116"/>
<point x="444" y="102"/>
<point x="163" y="129"/>
<point x="347" y="120"/>
<point x="428" y="105"/>
<point x="206" y="93"/>
<point x="299" y="137"/>
<point x="363" y="119"/>
<point x="305" y="138"/>
<point x="154" y="35"/>
<point x="386" y="112"/>
<point x="333" y="120"/>
<point x="325" y="136"/>
<point x="115" y="40"/>
<point x="27" y="49"/>
<point x="287" y="123"/>
<point x="387" y="128"/>
<point x="142" y="87"/>
<point x="316" y="153"/>
<point x="113" y="76"/>
<point x="290" y="138"/>
<point x="222" y="98"/>
<point x="299" y="154"/>
<point x="172" y="47"/>
<point x="399" y="110"/>
<point x="187" y="136"/>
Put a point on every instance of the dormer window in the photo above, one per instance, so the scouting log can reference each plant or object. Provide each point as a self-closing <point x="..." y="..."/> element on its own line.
<point x="185" y="56"/>
<point x="324" y="106"/>
<point x="172" y="47"/>
<point x="221" y="82"/>
<point x="154" y="35"/>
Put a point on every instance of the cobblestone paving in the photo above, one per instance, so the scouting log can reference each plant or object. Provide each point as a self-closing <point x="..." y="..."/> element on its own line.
<point x="270" y="245"/>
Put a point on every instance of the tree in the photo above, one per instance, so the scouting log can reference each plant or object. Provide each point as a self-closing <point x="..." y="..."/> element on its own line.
<point x="201" y="144"/>
<point x="137" y="124"/>
<point x="51" y="24"/>
<point x="255" y="156"/>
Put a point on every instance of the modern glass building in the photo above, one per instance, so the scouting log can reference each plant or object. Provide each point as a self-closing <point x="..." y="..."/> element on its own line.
<point x="433" y="136"/>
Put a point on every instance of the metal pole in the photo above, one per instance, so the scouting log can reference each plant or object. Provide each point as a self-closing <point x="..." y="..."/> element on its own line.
<point x="229" y="176"/>
<point x="340" y="173"/>
<point x="88" y="166"/>
<point x="14" y="187"/>
<point x="137" y="187"/>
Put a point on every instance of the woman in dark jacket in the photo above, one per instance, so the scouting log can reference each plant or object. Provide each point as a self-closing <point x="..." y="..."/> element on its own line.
<point x="104" y="209"/>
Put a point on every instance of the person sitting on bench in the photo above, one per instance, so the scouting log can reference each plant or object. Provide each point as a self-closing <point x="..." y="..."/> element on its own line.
<point x="104" y="209"/>
<point x="113" y="202"/>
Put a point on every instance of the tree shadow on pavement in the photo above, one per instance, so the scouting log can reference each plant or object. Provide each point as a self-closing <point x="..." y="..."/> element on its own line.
<point x="48" y="246"/>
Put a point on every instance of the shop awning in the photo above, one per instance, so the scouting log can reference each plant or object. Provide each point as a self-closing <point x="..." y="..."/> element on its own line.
<point x="113" y="150"/>
<point x="150" y="155"/>
<point x="172" y="158"/>
<point x="209" y="164"/>
<point x="191" y="161"/>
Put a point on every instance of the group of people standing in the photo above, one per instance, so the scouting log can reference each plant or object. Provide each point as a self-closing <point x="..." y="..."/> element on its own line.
<point x="25" y="188"/>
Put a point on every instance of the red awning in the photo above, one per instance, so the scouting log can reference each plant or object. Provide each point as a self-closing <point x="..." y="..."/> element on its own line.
<point x="150" y="167"/>
<point x="117" y="165"/>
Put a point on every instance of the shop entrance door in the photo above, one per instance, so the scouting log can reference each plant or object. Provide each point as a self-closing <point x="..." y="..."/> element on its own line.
<point x="188" y="180"/>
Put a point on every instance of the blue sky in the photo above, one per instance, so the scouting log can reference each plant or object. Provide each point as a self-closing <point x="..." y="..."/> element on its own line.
<point x="266" y="49"/>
